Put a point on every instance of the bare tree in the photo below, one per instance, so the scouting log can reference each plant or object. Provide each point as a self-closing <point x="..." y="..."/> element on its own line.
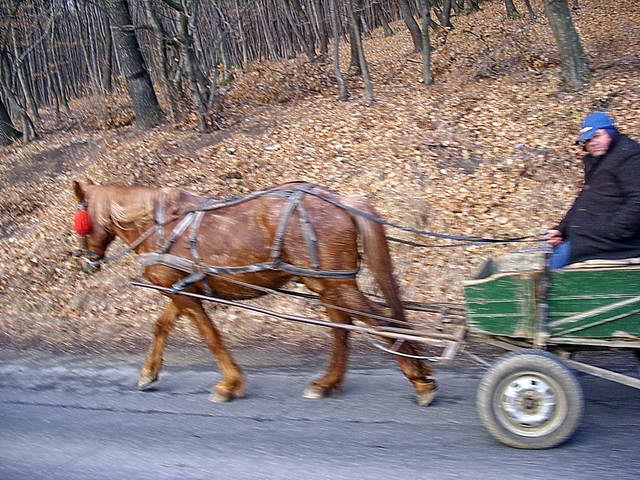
<point x="471" y="6"/>
<point x="364" y="67"/>
<point x="21" y="73"/>
<point x="355" y="36"/>
<point x="425" y="12"/>
<point x="8" y="132"/>
<point x="512" y="13"/>
<point x="445" y="13"/>
<point x="575" y="71"/>
<point x="146" y="108"/>
<point x="380" y="14"/>
<point x="530" y="9"/>
<point x="412" y="25"/>
<point x="335" y="21"/>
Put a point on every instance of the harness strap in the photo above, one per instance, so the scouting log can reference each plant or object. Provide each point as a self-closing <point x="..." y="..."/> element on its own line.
<point x="214" y="204"/>
<point x="186" y="265"/>
<point x="193" y="237"/>
<point x="287" y="211"/>
<point x="310" y="237"/>
<point x="177" y="231"/>
<point x="159" y="217"/>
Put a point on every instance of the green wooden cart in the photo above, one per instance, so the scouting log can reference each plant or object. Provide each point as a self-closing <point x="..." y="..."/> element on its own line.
<point x="530" y="398"/>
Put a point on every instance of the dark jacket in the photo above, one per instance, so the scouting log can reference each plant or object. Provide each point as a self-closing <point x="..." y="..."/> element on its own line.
<point x="604" y="221"/>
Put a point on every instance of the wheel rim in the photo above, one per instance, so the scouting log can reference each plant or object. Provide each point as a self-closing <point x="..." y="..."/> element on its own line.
<point x="530" y="404"/>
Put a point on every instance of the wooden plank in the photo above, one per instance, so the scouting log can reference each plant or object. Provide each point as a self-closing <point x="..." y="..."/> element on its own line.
<point x="596" y="312"/>
<point x="604" y="373"/>
<point x="452" y="349"/>
<point x="594" y="342"/>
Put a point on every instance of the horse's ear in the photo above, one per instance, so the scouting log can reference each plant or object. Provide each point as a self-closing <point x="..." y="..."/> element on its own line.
<point x="79" y="191"/>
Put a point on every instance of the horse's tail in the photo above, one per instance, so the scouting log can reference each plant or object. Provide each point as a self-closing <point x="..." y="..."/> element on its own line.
<point x="376" y="251"/>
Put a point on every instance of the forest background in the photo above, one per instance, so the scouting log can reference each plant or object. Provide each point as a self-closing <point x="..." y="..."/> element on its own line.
<point x="453" y="116"/>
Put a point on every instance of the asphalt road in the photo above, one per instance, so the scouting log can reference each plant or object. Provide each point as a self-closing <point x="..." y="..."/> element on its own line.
<point x="73" y="417"/>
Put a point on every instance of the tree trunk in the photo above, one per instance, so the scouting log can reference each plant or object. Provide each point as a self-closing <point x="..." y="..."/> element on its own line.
<point x="364" y="67"/>
<point x="425" y="11"/>
<point x="161" y="36"/>
<point x="27" y="92"/>
<point x="354" y="62"/>
<point x="321" y="29"/>
<point x="575" y="70"/>
<point x="299" y="17"/>
<point x="190" y="62"/>
<point x="8" y="133"/>
<point x="145" y="103"/>
<point x="472" y="6"/>
<point x="381" y="16"/>
<point x="530" y="9"/>
<point x="107" y="68"/>
<point x="344" y="93"/>
<point x="355" y="36"/>
<point x="512" y="13"/>
<point x="410" y="22"/>
<point x="445" y="16"/>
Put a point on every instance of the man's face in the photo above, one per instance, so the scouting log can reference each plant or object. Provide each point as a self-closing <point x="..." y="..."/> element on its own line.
<point x="598" y="144"/>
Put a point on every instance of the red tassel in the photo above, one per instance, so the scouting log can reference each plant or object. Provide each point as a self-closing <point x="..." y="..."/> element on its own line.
<point x="82" y="222"/>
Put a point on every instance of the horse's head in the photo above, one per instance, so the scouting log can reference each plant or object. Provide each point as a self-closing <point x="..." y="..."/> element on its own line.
<point x="94" y="236"/>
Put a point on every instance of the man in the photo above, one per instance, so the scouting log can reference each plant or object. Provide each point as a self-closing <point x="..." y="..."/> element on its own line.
<point x="604" y="221"/>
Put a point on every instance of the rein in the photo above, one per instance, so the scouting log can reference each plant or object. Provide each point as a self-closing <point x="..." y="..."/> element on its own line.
<point x="381" y="221"/>
<point x="211" y="204"/>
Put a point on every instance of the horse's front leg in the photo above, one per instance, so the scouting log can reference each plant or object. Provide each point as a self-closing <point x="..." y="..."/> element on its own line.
<point x="233" y="381"/>
<point x="152" y="365"/>
<point x="332" y="380"/>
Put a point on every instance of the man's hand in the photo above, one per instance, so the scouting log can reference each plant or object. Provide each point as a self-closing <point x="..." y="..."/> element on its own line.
<point x="553" y="237"/>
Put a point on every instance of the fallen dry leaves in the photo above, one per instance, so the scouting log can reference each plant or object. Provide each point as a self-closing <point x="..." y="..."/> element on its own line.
<point x="485" y="151"/>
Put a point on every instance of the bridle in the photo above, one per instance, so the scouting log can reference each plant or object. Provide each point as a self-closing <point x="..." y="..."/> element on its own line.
<point x="93" y="261"/>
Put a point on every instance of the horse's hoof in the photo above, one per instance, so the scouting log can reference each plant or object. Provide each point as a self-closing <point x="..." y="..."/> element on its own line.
<point x="145" y="382"/>
<point x="216" y="397"/>
<point x="313" y="392"/>
<point x="239" y="392"/>
<point x="424" y="399"/>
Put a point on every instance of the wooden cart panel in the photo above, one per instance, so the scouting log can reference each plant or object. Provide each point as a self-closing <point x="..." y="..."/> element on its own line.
<point x="502" y="305"/>
<point x="586" y="303"/>
<point x="595" y="303"/>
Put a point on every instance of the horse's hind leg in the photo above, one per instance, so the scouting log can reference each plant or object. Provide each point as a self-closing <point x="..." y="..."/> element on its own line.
<point x="420" y="374"/>
<point x="153" y="363"/>
<point x="233" y="382"/>
<point x="332" y="379"/>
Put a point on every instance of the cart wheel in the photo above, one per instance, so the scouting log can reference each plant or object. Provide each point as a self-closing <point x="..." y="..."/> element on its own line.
<point x="530" y="399"/>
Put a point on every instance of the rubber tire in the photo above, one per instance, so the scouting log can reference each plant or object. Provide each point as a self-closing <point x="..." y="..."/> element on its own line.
<point x="568" y="393"/>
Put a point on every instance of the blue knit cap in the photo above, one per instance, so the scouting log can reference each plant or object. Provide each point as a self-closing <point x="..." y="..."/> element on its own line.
<point x="594" y="122"/>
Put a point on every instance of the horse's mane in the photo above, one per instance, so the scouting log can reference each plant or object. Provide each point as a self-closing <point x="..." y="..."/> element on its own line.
<point x="120" y="205"/>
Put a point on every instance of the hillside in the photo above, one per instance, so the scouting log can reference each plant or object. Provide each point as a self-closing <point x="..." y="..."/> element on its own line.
<point x="488" y="150"/>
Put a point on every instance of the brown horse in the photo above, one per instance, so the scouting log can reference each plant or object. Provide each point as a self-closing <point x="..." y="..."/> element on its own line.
<point x="245" y="233"/>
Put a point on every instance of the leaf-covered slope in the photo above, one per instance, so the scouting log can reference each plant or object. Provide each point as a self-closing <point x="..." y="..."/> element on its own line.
<point x="488" y="150"/>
